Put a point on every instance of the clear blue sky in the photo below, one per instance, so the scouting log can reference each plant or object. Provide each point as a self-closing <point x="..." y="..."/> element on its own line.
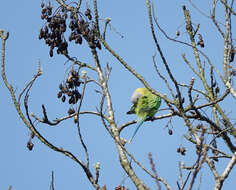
<point x="25" y="169"/>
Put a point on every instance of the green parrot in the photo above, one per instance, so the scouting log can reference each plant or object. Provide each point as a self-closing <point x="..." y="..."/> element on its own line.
<point x="145" y="105"/>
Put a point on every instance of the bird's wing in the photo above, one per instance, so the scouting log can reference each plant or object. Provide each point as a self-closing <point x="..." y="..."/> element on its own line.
<point x="142" y="106"/>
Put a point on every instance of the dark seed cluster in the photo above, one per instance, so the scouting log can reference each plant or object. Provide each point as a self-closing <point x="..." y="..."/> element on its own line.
<point x="70" y="89"/>
<point x="53" y="31"/>
<point x="181" y="150"/>
<point x="81" y="28"/>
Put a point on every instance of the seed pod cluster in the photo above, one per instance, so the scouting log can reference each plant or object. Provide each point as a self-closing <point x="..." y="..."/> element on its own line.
<point x="80" y="24"/>
<point x="54" y="29"/>
<point x="70" y="88"/>
<point x="81" y="28"/>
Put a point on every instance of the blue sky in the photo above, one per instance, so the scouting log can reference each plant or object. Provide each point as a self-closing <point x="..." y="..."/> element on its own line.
<point x="25" y="169"/>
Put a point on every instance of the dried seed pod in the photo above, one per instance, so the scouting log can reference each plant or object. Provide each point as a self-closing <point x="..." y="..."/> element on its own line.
<point x="49" y="9"/>
<point x="59" y="94"/>
<point x="181" y="150"/>
<point x="48" y="41"/>
<point x="58" y="50"/>
<point x="71" y="111"/>
<point x="75" y="100"/>
<point x="70" y="93"/>
<point x="44" y="10"/>
<point x="231" y="54"/>
<point x="170" y="132"/>
<point x="71" y="25"/>
<point x="46" y="29"/>
<point x="42" y="5"/>
<point x="71" y="100"/>
<point x="87" y="12"/>
<point x="98" y="45"/>
<point x="200" y="42"/>
<point x="77" y="95"/>
<point x="78" y="39"/>
<point x="71" y="85"/>
<point x="217" y="90"/>
<point x="63" y="99"/>
<point x="91" y="45"/>
<point x="178" y="149"/>
<point x="51" y="52"/>
<point x="30" y="145"/>
<point x="70" y="38"/>
<point x="40" y="36"/>
<point x="60" y="86"/>
<point x="42" y="16"/>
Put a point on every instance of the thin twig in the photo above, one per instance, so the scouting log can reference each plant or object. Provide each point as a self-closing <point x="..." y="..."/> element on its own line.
<point x="162" y="77"/>
<point x="78" y="124"/>
<point x="154" y="170"/>
<point x="52" y="181"/>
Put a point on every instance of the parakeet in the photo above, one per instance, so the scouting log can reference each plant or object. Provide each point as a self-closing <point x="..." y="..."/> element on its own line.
<point x="145" y="105"/>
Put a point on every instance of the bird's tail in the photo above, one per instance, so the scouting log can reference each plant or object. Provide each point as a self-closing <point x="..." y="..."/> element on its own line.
<point x="140" y="122"/>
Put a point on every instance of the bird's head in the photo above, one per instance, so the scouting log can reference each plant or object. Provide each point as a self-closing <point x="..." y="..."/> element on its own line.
<point x="137" y="94"/>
